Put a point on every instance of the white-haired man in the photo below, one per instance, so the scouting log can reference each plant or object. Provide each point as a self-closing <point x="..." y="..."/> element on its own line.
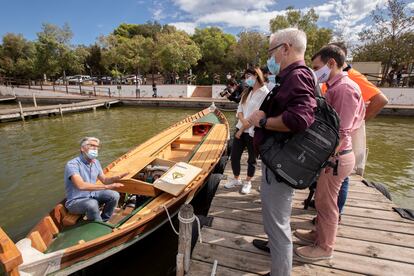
<point x="288" y="108"/>
<point x="83" y="196"/>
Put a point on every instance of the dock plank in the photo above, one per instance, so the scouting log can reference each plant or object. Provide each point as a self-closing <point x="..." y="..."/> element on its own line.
<point x="372" y="239"/>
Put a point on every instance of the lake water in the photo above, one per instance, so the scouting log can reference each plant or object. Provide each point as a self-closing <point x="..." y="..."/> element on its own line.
<point x="33" y="156"/>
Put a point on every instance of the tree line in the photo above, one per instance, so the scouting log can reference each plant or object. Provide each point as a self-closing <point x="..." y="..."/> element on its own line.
<point x="151" y="47"/>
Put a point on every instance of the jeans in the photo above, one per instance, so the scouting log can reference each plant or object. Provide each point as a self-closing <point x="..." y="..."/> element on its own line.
<point x="90" y="206"/>
<point x="343" y="194"/>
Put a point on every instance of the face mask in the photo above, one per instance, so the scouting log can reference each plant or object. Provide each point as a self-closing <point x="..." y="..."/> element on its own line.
<point x="323" y="74"/>
<point x="274" y="67"/>
<point x="272" y="78"/>
<point x="92" y="154"/>
<point x="250" y="82"/>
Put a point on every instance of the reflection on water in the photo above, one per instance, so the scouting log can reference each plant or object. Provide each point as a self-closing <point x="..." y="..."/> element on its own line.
<point x="33" y="155"/>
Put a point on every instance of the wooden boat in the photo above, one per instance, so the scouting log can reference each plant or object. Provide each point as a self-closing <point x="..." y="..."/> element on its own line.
<point x="62" y="243"/>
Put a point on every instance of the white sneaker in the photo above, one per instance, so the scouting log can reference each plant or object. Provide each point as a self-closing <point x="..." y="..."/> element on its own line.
<point x="232" y="182"/>
<point x="247" y="186"/>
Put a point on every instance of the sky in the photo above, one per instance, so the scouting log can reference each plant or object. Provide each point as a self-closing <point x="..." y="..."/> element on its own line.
<point x="93" y="18"/>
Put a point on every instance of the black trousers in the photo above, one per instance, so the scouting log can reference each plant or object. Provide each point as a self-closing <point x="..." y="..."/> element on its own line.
<point x="245" y="141"/>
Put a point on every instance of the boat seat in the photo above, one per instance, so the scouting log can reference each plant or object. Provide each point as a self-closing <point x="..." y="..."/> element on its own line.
<point x="66" y="218"/>
<point x="192" y="141"/>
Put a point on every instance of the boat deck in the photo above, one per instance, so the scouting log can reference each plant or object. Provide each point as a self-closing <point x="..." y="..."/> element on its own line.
<point x="372" y="238"/>
<point x="28" y="112"/>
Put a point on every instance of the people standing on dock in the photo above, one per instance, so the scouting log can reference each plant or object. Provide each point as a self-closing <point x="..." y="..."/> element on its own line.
<point x="83" y="195"/>
<point x="375" y="101"/>
<point x="345" y="97"/>
<point x="289" y="107"/>
<point x="251" y="101"/>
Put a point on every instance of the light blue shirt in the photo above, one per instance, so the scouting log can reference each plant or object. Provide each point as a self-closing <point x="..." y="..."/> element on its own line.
<point x="89" y="173"/>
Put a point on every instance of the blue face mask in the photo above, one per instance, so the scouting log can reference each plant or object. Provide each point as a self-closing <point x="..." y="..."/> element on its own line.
<point x="92" y="154"/>
<point x="250" y="82"/>
<point x="272" y="78"/>
<point x="274" y="67"/>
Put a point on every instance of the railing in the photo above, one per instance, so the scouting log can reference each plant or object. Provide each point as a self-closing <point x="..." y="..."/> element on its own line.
<point x="90" y="90"/>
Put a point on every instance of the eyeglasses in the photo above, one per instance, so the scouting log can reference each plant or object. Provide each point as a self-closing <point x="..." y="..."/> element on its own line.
<point x="277" y="46"/>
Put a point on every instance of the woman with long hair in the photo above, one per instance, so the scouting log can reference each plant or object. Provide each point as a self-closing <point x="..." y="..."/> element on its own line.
<point x="251" y="101"/>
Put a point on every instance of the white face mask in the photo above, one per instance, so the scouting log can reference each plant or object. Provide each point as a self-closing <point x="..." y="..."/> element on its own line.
<point x="323" y="74"/>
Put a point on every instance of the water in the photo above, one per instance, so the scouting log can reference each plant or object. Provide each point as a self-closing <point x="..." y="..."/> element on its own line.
<point x="33" y="155"/>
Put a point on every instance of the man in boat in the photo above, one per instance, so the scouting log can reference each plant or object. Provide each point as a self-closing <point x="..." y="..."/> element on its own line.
<point x="289" y="107"/>
<point x="83" y="195"/>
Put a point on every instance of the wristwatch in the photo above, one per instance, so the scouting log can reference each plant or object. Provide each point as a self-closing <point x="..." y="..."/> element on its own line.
<point x="262" y="122"/>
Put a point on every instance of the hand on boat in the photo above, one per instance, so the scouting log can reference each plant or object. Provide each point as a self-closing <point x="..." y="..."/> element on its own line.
<point x="115" y="185"/>
<point x="255" y="117"/>
<point x="123" y="175"/>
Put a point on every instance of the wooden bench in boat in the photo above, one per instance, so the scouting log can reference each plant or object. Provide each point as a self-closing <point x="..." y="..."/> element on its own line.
<point x="64" y="217"/>
<point x="10" y="257"/>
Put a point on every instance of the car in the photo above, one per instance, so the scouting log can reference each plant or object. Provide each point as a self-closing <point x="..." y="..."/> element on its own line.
<point x="80" y="79"/>
<point x="131" y="79"/>
<point x="104" y="80"/>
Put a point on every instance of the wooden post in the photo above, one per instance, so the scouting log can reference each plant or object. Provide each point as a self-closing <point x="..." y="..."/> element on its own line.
<point x="60" y="110"/>
<point x="94" y="90"/>
<point x="21" y="111"/>
<point x="34" y="100"/>
<point x="41" y="85"/>
<point x="66" y="85"/>
<point x="184" y="240"/>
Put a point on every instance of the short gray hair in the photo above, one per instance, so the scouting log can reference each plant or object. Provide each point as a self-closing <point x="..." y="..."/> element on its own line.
<point x="86" y="140"/>
<point x="293" y="36"/>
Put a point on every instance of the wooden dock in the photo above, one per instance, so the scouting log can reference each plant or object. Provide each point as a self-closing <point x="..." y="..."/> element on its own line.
<point x="7" y="98"/>
<point x="372" y="238"/>
<point x="49" y="110"/>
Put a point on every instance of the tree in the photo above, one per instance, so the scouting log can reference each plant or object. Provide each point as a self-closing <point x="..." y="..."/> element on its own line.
<point x="16" y="56"/>
<point x="176" y="52"/>
<point x="149" y="29"/>
<point x="54" y="54"/>
<point x="94" y="61"/>
<point x="316" y="37"/>
<point x="124" y="55"/>
<point x="390" y="39"/>
<point x="251" y="49"/>
<point x="215" y="46"/>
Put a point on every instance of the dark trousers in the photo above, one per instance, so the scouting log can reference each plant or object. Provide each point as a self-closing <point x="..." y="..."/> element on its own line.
<point x="245" y="141"/>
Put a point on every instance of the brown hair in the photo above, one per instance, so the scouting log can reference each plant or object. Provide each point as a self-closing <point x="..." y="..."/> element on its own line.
<point x="255" y="71"/>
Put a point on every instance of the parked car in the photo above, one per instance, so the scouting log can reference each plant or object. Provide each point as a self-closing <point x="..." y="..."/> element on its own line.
<point x="104" y="80"/>
<point x="131" y="79"/>
<point x="80" y="79"/>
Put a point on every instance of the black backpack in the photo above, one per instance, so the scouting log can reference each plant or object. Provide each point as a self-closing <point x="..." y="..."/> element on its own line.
<point x="298" y="159"/>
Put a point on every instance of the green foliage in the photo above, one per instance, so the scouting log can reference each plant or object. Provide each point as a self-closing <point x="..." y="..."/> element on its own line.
<point x="316" y="37"/>
<point x="176" y="52"/>
<point x="216" y="47"/>
<point x="391" y="39"/>
<point x="16" y="56"/>
<point x="251" y="49"/>
<point x="149" y="29"/>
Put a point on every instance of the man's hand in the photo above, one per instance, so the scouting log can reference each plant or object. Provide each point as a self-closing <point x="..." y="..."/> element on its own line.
<point x="123" y="175"/>
<point x="256" y="117"/>
<point x="115" y="185"/>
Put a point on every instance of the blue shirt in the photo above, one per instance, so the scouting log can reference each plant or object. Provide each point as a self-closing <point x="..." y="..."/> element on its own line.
<point x="89" y="173"/>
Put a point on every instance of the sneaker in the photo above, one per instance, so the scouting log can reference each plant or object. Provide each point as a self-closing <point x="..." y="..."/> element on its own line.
<point x="312" y="253"/>
<point x="231" y="183"/>
<point x="305" y="235"/>
<point x="261" y="244"/>
<point x="247" y="186"/>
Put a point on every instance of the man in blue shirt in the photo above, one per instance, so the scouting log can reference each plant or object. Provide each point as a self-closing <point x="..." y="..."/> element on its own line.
<point x="83" y="195"/>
